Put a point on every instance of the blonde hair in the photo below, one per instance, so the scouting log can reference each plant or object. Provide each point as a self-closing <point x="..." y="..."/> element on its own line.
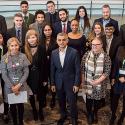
<point x="27" y="46"/>
<point x="8" y="45"/>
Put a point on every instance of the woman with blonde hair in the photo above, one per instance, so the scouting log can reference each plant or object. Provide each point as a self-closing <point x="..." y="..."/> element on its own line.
<point x="14" y="73"/>
<point x="37" y="79"/>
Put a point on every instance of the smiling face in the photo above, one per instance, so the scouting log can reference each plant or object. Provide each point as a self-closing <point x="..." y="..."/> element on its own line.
<point x="74" y="26"/>
<point x="97" y="29"/>
<point x="18" y="21"/>
<point x="32" y="40"/>
<point x="63" y="16"/>
<point x="24" y="8"/>
<point x="81" y="12"/>
<point x="13" y="47"/>
<point x="106" y="13"/>
<point x="96" y="45"/>
<point x="40" y="18"/>
<point x="62" y="41"/>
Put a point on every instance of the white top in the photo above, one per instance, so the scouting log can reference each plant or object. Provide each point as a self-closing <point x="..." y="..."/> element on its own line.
<point x="62" y="56"/>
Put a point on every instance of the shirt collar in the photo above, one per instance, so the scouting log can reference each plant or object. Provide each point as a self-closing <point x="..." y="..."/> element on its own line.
<point x="64" y="50"/>
<point x="27" y="14"/>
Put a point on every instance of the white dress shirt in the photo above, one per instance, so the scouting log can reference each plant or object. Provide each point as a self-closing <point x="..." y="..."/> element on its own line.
<point x="62" y="56"/>
<point x="108" y="41"/>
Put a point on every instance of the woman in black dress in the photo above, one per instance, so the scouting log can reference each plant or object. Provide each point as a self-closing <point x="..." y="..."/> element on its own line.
<point x="49" y="42"/>
<point x="76" y="39"/>
<point x="37" y="71"/>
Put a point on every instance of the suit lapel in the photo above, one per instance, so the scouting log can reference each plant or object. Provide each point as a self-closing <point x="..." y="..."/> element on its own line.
<point x="66" y="56"/>
<point x="57" y="58"/>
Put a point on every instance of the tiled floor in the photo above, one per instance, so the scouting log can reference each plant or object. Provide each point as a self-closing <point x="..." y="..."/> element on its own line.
<point x="52" y="115"/>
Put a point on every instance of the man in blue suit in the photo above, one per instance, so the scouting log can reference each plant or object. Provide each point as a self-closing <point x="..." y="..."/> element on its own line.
<point x="63" y="25"/>
<point x="106" y="18"/>
<point x="65" y="77"/>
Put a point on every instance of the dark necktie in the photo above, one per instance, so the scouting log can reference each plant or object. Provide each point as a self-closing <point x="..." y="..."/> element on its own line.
<point x="18" y="34"/>
<point x="26" y="21"/>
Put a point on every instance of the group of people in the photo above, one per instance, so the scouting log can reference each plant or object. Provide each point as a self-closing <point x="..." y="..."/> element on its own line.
<point x="46" y="49"/>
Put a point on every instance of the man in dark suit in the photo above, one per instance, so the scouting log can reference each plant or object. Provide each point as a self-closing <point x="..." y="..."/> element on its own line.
<point x="27" y="17"/>
<point x="65" y="77"/>
<point x="52" y="15"/>
<point x="63" y="25"/>
<point x="3" y="27"/>
<point x="122" y="34"/>
<point x="18" y="30"/>
<point x="106" y="18"/>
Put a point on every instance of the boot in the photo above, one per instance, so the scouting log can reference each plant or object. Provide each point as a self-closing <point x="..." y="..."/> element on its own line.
<point x="121" y="119"/>
<point x="90" y="118"/>
<point x="112" y="120"/>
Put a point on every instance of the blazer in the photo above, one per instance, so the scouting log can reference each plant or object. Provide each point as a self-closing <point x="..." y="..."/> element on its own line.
<point x="115" y="43"/>
<point x="68" y="75"/>
<point x="3" y="26"/>
<point x="12" y="33"/>
<point x="58" y="27"/>
<point x="122" y="34"/>
<point x="114" y="22"/>
<point x="51" y="21"/>
<point x="38" y="69"/>
<point x="31" y="19"/>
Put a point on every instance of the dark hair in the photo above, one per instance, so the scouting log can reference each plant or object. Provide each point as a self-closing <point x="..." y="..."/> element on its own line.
<point x="23" y="2"/>
<point x="39" y="12"/>
<point x="48" y="2"/>
<point x="109" y="25"/>
<point x="44" y="37"/>
<point x="86" y="19"/>
<point x="63" y="9"/>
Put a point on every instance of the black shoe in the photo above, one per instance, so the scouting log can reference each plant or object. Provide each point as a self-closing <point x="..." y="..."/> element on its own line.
<point x="95" y="119"/>
<point x="120" y="121"/>
<point x="52" y="103"/>
<point x="35" y="115"/>
<point x="6" y="119"/>
<point x="112" y="120"/>
<point x="41" y="116"/>
<point x="74" y="122"/>
<point x="61" y="121"/>
<point x="90" y="119"/>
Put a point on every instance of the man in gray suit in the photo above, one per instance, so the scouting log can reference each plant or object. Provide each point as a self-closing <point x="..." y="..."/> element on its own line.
<point x="65" y="77"/>
<point x="39" y="23"/>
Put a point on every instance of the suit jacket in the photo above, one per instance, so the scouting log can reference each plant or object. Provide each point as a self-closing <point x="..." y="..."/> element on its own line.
<point x="12" y="33"/>
<point x="68" y="75"/>
<point x="3" y="27"/>
<point x="58" y="27"/>
<point x="51" y="21"/>
<point x="114" y="22"/>
<point x="122" y="34"/>
<point x="31" y="19"/>
<point x="113" y="47"/>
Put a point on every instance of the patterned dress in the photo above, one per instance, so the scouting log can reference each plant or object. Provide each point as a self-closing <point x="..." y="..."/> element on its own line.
<point x="98" y="94"/>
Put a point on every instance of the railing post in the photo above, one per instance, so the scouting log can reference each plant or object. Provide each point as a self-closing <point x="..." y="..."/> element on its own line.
<point x="91" y="9"/>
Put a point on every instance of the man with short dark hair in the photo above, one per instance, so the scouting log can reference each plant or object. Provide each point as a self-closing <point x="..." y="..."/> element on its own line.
<point x="39" y="23"/>
<point x="27" y="17"/>
<point x="65" y="77"/>
<point x="106" y="18"/>
<point x="51" y="15"/>
<point x="64" y="24"/>
<point x="18" y="30"/>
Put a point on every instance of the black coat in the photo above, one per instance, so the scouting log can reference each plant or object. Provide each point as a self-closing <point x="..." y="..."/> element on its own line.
<point x="38" y="69"/>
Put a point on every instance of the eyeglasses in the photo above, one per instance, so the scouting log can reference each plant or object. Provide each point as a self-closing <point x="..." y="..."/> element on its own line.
<point x="96" y="44"/>
<point x="47" y="30"/>
<point x="109" y="29"/>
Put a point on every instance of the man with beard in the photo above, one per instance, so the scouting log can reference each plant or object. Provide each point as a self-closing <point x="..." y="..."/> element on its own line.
<point x="63" y="25"/>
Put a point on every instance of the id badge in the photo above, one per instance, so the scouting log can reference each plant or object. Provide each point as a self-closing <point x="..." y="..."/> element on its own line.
<point x="122" y="71"/>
